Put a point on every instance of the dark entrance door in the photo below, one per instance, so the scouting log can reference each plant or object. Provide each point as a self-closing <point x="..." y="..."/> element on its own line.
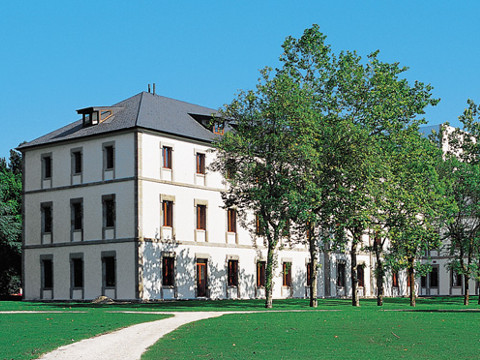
<point x="201" y="278"/>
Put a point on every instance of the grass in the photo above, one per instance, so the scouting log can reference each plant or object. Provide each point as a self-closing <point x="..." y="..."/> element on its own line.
<point x="27" y="336"/>
<point x="437" y="328"/>
<point x="347" y="334"/>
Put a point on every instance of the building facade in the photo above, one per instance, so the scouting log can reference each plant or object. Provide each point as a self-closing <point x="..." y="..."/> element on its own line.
<point x="122" y="203"/>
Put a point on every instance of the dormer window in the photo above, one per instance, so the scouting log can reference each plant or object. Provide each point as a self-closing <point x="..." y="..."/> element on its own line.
<point x="96" y="115"/>
<point x="218" y="128"/>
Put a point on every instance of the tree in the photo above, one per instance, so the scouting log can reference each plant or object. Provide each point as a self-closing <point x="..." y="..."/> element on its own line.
<point x="10" y="227"/>
<point x="461" y="174"/>
<point x="414" y="204"/>
<point x="259" y="156"/>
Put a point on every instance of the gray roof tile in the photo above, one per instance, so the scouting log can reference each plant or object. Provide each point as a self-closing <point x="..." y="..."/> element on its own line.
<point x="143" y="110"/>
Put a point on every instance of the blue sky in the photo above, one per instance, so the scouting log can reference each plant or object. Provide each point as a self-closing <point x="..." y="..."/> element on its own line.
<point x="59" y="56"/>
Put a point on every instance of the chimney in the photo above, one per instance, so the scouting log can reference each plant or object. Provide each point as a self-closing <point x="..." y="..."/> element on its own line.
<point x="148" y="88"/>
<point x="153" y="88"/>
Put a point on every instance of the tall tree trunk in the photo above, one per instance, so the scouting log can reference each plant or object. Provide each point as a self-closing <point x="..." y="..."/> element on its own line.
<point x="313" y="266"/>
<point x="465" y="276"/>
<point x="466" y="279"/>
<point x="353" y="271"/>
<point x="379" y="272"/>
<point x="411" y="275"/>
<point x="269" y="276"/>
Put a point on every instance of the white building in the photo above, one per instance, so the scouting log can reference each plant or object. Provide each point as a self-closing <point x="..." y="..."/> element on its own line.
<point x="121" y="203"/>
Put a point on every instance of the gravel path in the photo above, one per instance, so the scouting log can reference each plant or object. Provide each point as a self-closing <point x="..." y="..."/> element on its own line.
<point x="128" y="343"/>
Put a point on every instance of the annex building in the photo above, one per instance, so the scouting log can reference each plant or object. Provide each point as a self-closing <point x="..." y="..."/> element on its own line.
<point x="122" y="203"/>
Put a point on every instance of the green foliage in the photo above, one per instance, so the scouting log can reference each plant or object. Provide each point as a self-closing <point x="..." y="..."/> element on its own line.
<point x="10" y="225"/>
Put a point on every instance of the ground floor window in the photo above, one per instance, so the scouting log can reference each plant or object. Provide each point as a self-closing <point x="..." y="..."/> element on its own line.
<point x="232" y="272"/>
<point x="168" y="274"/>
<point x="109" y="276"/>
<point x="77" y="272"/>
<point x="395" y="279"/>
<point x="47" y="274"/>
<point x="309" y="274"/>
<point x="261" y="278"/>
<point x="287" y="274"/>
<point x="456" y="279"/>
<point x="361" y="276"/>
<point x="434" y="277"/>
<point x="341" y="278"/>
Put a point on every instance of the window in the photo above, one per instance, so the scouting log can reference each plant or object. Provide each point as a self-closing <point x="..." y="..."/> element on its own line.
<point x="76" y="162"/>
<point x="47" y="274"/>
<point x="47" y="166"/>
<point x="77" y="272"/>
<point x="167" y="157"/>
<point x="230" y="167"/>
<point x="261" y="279"/>
<point x="232" y="220"/>
<point x="108" y="211"/>
<point x="109" y="157"/>
<point x="287" y="274"/>
<point x="200" y="163"/>
<point x="46" y="218"/>
<point x="218" y="128"/>
<point x="423" y="281"/>
<point x="456" y="279"/>
<point x="167" y="209"/>
<point x="434" y="277"/>
<point x="105" y="114"/>
<point x="108" y="267"/>
<point x="341" y="280"/>
<point x="258" y="227"/>
<point x="232" y="272"/>
<point x="201" y="217"/>
<point x="309" y="274"/>
<point x="168" y="274"/>
<point x="361" y="276"/>
<point x="395" y="279"/>
<point x="76" y="206"/>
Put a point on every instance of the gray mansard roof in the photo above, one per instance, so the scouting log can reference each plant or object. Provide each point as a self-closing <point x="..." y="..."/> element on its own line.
<point x="144" y="110"/>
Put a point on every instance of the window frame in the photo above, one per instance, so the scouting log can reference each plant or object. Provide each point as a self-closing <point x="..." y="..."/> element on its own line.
<point x="76" y="214"/>
<point x="201" y="212"/>
<point x="77" y="272"/>
<point x="168" y="271"/>
<point x="232" y="221"/>
<point x="108" y="156"/>
<point x="309" y="274"/>
<point x="232" y="272"/>
<point x="77" y="161"/>
<point x="287" y="273"/>
<point x="47" y="259"/>
<point x="361" y="276"/>
<point x="109" y="280"/>
<point x="109" y="217"/>
<point x="47" y="166"/>
<point x="167" y="157"/>
<point x="43" y="207"/>
<point x="200" y="161"/>
<point x="341" y="274"/>
<point x="395" y="279"/>
<point x="261" y="274"/>
<point x="435" y="269"/>
<point x="167" y="213"/>
<point x="456" y="279"/>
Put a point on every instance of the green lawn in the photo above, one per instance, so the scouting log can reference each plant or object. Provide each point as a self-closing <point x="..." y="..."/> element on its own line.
<point x="347" y="334"/>
<point x="437" y="328"/>
<point x="27" y="336"/>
